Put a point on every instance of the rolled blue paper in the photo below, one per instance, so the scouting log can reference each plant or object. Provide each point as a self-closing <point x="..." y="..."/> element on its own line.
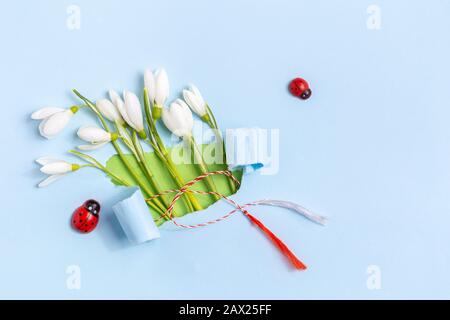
<point x="135" y="218"/>
<point x="243" y="149"/>
<point x="250" y="168"/>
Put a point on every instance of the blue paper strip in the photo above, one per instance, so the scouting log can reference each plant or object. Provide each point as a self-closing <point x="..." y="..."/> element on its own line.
<point x="135" y="218"/>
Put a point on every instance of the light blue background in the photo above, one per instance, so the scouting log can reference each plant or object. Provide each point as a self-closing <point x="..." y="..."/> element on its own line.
<point x="370" y="149"/>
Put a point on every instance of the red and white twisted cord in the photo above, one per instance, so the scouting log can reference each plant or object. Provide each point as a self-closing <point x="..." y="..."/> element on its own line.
<point x="285" y="204"/>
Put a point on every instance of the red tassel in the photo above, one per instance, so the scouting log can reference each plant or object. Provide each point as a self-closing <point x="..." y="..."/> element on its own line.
<point x="280" y="244"/>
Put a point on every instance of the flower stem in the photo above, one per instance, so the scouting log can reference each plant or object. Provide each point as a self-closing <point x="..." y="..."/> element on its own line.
<point x="124" y="160"/>
<point x="137" y="152"/>
<point x="213" y="125"/>
<point x="92" y="162"/>
<point x="203" y="168"/>
<point x="161" y="151"/>
<point x="136" y="177"/>
<point x="146" y="169"/>
<point x="95" y="164"/>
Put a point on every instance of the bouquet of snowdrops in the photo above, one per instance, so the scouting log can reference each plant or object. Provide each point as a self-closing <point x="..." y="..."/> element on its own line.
<point x="142" y="159"/>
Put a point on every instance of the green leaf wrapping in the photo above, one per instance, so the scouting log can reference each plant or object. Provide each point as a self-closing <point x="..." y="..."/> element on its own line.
<point x="187" y="172"/>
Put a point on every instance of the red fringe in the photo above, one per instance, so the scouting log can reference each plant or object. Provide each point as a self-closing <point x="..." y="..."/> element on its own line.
<point x="280" y="244"/>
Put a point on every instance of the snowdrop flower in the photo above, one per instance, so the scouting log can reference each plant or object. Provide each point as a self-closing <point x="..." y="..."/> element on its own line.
<point x="130" y="110"/>
<point x="109" y="111"/>
<point x="194" y="99"/>
<point x="119" y="104"/>
<point x="133" y="111"/>
<point x="55" y="168"/>
<point x="115" y="98"/>
<point x="53" y="120"/>
<point x="157" y="85"/>
<point x="162" y="87"/>
<point x="178" y="119"/>
<point x="97" y="137"/>
<point x="150" y="84"/>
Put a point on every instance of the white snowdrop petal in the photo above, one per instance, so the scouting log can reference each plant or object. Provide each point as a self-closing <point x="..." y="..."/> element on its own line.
<point x="46" y="160"/>
<point x="195" y="90"/>
<point x="114" y="96"/>
<point x="49" y="180"/>
<point x="186" y="118"/>
<point x="56" y="123"/>
<point x="93" y="134"/>
<point x="41" y="129"/>
<point x="57" y="168"/>
<point x="123" y="112"/>
<point x="120" y="105"/>
<point x="184" y="110"/>
<point x="199" y="101"/>
<point x="134" y="111"/>
<point x="195" y="103"/>
<point x="178" y="118"/>
<point x="162" y="87"/>
<point x="189" y="98"/>
<point x="45" y="112"/>
<point x="90" y="147"/>
<point x="150" y="84"/>
<point x="109" y="110"/>
<point x="167" y="120"/>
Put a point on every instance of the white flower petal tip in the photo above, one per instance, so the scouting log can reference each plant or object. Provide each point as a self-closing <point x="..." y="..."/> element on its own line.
<point x="150" y="85"/>
<point x="54" y="120"/>
<point x="55" y="168"/>
<point x="133" y="111"/>
<point x="120" y="105"/>
<point x="114" y="96"/>
<point x="46" y="160"/>
<point x="93" y="134"/>
<point x="49" y="180"/>
<point x="45" y="113"/>
<point x="195" y="101"/>
<point x="109" y="110"/>
<point x="56" y="123"/>
<point x="90" y="147"/>
<point x="59" y="167"/>
<point x="162" y="87"/>
<point x="97" y="137"/>
<point x="178" y="118"/>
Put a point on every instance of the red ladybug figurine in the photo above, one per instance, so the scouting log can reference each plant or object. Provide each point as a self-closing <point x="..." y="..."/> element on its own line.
<point x="300" y="88"/>
<point x="85" y="218"/>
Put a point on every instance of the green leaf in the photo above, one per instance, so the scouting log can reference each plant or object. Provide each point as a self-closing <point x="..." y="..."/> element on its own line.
<point x="187" y="172"/>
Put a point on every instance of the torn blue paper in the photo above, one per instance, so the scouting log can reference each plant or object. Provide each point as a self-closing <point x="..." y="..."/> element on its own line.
<point x="135" y="218"/>
<point x="248" y="149"/>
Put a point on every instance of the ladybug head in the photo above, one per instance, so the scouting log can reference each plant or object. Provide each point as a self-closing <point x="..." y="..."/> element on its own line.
<point x="305" y="94"/>
<point x="92" y="206"/>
